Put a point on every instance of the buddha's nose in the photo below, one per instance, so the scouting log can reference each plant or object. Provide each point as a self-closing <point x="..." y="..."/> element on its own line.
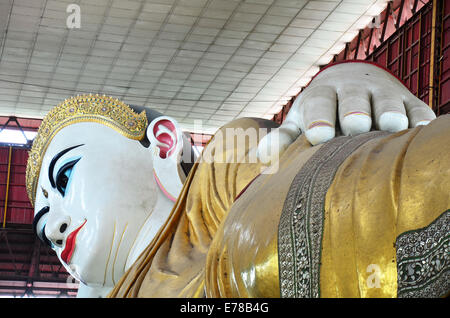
<point x="56" y="228"/>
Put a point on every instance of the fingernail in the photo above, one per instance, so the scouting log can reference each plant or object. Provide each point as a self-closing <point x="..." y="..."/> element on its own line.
<point x="393" y="121"/>
<point x="320" y="134"/>
<point x="422" y="123"/>
<point x="356" y="123"/>
<point x="320" y="123"/>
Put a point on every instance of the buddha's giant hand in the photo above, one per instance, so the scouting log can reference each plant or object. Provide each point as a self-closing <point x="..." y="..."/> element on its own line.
<point x="361" y="95"/>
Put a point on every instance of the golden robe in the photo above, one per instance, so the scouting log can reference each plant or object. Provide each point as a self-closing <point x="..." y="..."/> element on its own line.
<point x="215" y="245"/>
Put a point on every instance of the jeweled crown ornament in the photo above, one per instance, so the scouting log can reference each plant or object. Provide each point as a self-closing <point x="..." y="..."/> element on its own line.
<point x="84" y="108"/>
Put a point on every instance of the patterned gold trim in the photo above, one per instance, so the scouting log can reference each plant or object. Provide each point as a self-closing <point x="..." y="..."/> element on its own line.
<point x="104" y="110"/>
<point x="300" y="230"/>
<point x="423" y="260"/>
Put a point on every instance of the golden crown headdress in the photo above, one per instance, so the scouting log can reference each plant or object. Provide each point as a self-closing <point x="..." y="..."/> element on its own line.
<point x="84" y="108"/>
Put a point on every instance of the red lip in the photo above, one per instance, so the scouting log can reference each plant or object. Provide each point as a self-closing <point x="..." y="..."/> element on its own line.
<point x="66" y="254"/>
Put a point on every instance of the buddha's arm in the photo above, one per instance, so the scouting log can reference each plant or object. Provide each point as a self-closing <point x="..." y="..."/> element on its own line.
<point x="388" y="186"/>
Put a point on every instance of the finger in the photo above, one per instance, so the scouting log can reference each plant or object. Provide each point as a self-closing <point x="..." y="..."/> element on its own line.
<point x="272" y="145"/>
<point x="418" y="112"/>
<point x="389" y="111"/>
<point x="354" y="111"/>
<point x="319" y="114"/>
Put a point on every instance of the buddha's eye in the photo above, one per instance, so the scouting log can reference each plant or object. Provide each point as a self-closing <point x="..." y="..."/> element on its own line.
<point x="63" y="176"/>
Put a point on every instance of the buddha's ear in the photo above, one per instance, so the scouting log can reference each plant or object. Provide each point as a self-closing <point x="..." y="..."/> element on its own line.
<point x="166" y="138"/>
<point x="166" y="144"/>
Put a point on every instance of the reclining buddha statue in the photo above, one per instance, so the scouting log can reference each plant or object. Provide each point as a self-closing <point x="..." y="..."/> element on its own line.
<point x="348" y="197"/>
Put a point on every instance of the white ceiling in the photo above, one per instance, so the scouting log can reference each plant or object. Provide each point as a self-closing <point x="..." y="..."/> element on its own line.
<point x="195" y="60"/>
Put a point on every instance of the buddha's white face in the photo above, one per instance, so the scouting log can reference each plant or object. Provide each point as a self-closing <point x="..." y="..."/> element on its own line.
<point x="95" y="192"/>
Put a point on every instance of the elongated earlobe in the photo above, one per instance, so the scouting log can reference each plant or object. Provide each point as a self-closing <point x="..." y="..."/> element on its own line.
<point x="166" y="146"/>
<point x="166" y="137"/>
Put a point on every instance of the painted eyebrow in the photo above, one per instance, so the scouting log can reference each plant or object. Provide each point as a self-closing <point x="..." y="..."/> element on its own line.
<point x="51" y="167"/>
